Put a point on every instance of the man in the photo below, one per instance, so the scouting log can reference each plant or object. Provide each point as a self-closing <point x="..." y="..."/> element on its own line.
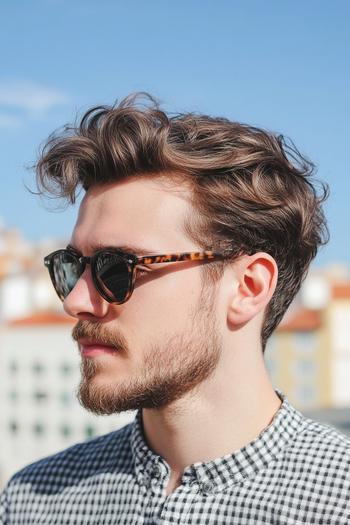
<point x="192" y="239"/>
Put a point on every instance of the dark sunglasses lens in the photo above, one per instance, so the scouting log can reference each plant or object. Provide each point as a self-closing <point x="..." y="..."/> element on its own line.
<point x="66" y="270"/>
<point x="113" y="275"/>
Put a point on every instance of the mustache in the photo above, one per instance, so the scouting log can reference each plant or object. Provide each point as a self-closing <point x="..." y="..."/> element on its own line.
<point x="98" y="332"/>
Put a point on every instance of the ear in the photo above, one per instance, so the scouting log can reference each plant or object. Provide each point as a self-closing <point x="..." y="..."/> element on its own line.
<point x="257" y="278"/>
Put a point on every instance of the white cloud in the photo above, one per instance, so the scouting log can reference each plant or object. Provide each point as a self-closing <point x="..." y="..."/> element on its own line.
<point x="28" y="96"/>
<point x="9" y="121"/>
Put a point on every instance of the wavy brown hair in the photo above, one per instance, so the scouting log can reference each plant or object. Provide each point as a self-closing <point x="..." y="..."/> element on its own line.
<point x="251" y="189"/>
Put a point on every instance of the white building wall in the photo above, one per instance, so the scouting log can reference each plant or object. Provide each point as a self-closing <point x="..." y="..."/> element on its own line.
<point x="15" y="297"/>
<point x="39" y="374"/>
<point x="21" y="294"/>
<point x="340" y="349"/>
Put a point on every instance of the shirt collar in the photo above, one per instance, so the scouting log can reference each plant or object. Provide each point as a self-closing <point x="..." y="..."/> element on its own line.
<point x="218" y="474"/>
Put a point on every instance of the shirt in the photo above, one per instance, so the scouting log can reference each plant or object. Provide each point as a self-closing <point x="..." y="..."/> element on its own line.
<point x="295" y="472"/>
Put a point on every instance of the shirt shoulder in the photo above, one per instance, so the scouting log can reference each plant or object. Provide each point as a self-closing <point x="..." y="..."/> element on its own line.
<point x="77" y="462"/>
<point x="322" y="438"/>
<point x="319" y="456"/>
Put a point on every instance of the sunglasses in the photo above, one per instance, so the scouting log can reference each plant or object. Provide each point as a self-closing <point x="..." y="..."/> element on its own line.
<point x="113" y="272"/>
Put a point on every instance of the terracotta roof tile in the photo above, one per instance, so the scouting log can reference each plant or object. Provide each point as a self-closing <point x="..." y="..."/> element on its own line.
<point x="43" y="318"/>
<point x="302" y="320"/>
<point x="341" y="290"/>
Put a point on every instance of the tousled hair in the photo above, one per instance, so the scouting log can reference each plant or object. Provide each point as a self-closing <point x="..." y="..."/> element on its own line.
<point x="251" y="190"/>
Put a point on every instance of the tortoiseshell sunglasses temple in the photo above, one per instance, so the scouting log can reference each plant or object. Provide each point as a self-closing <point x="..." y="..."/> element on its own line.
<point x="174" y="257"/>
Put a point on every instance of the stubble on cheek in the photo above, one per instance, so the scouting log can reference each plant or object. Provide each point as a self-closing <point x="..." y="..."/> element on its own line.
<point x="169" y="370"/>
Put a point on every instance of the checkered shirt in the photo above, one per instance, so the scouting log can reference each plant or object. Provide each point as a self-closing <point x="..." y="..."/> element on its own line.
<point x="297" y="471"/>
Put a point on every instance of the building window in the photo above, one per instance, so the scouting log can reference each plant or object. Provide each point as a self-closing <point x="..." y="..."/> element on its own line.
<point x="304" y="343"/>
<point x="13" y="396"/>
<point x="66" y="369"/>
<point x="65" y="430"/>
<point x="89" y="431"/>
<point x="305" y="369"/>
<point x="40" y="396"/>
<point x="66" y="398"/>
<point x="38" y="429"/>
<point x="306" y="395"/>
<point x="13" y="427"/>
<point x="37" y="368"/>
<point x="13" y="367"/>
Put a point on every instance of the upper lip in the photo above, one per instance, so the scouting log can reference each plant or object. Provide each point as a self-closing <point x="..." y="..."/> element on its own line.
<point x="91" y="342"/>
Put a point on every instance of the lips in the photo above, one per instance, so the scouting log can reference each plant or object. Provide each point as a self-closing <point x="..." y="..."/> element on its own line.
<point x="93" y="349"/>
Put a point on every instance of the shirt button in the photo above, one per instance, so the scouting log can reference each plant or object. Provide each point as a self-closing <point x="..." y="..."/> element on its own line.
<point x="157" y="472"/>
<point x="207" y="486"/>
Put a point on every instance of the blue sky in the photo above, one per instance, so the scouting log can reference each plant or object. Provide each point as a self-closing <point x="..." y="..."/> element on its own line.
<point x="280" y="65"/>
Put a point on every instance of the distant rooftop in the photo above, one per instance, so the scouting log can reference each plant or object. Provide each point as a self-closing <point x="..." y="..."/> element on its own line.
<point x="42" y="318"/>
<point x="341" y="290"/>
<point x="301" y="320"/>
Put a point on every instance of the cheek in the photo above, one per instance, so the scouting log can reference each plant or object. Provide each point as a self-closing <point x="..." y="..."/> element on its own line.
<point x="163" y="302"/>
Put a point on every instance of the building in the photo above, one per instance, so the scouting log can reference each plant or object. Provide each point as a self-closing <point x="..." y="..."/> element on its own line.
<point x="308" y="357"/>
<point x="40" y="414"/>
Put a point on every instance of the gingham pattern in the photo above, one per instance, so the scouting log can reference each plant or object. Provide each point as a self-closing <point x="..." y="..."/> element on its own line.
<point x="295" y="472"/>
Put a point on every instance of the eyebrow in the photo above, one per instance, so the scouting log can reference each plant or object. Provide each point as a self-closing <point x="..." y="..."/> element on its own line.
<point x="125" y="248"/>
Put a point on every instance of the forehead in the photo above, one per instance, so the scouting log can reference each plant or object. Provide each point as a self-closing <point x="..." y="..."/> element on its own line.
<point x="139" y="212"/>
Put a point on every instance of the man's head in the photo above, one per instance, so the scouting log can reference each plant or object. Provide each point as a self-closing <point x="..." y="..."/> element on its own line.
<point x="180" y="184"/>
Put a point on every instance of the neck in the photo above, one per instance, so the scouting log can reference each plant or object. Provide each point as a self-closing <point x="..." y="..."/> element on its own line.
<point x="222" y="415"/>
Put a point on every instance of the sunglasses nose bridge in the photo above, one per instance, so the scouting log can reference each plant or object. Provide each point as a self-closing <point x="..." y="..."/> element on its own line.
<point x="88" y="261"/>
<point x="84" y="260"/>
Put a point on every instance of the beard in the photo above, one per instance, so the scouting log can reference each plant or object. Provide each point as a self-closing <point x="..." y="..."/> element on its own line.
<point x="170" y="369"/>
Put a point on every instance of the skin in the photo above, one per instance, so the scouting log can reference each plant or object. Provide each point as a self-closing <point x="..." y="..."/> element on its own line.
<point x="171" y="318"/>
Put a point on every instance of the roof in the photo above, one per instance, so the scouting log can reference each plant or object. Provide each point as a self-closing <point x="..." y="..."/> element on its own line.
<point x="302" y="320"/>
<point x="43" y="318"/>
<point x="341" y="290"/>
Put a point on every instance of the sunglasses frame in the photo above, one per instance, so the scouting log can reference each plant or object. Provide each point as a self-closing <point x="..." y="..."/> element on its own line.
<point x="131" y="260"/>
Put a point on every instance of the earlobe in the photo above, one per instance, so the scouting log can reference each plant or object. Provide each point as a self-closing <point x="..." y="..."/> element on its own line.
<point x="257" y="278"/>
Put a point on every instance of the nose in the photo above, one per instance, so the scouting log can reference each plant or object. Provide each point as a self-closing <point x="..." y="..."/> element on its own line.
<point x="84" y="301"/>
